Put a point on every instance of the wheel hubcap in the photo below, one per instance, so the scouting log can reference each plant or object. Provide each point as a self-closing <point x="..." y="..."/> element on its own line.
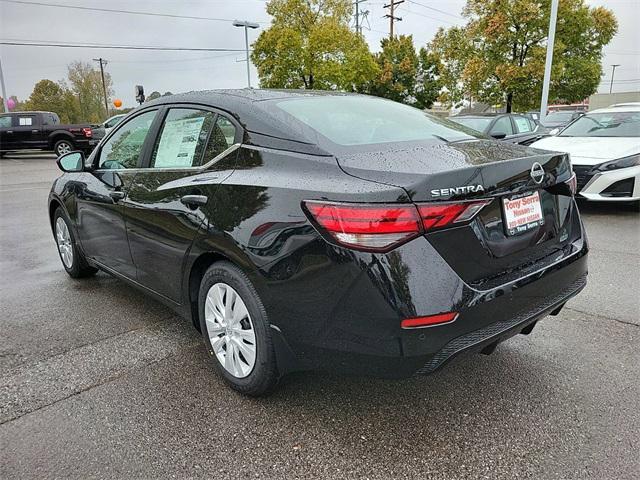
<point x="64" y="148"/>
<point x="63" y="239"/>
<point x="230" y="330"/>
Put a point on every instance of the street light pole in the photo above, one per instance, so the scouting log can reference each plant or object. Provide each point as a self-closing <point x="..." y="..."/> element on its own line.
<point x="547" y="66"/>
<point x="246" y="25"/>
<point x="613" y="72"/>
<point x="5" y="100"/>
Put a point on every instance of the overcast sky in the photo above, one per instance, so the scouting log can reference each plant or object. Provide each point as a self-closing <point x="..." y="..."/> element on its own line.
<point x="179" y="71"/>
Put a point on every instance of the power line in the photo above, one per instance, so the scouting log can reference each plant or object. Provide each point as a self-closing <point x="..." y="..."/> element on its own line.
<point x="435" y="9"/>
<point x="27" y="43"/>
<point x="129" y="12"/>
<point x="428" y="16"/>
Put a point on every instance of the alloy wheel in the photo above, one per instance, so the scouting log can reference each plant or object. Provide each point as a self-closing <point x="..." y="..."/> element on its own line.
<point x="230" y="330"/>
<point x="63" y="239"/>
<point x="63" y="148"/>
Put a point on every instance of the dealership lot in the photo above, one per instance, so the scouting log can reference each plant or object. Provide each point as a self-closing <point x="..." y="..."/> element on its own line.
<point x="98" y="380"/>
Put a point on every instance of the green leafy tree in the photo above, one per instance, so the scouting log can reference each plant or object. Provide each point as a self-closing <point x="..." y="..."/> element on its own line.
<point x="498" y="57"/>
<point x="406" y="76"/>
<point x="153" y="96"/>
<point x="53" y="97"/>
<point x="310" y="45"/>
<point x="86" y="84"/>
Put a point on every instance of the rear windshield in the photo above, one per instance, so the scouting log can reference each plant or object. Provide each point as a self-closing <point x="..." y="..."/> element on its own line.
<point x="559" y="116"/>
<point x="479" y="124"/>
<point x="615" y="124"/>
<point x="353" y="120"/>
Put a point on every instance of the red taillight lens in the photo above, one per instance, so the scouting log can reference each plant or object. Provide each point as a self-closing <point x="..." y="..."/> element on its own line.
<point x="429" y="321"/>
<point x="380" y="227"/>
<point x="368" y="227"/>
<point x="87" y="132"/>
<point x="438" y="215"/>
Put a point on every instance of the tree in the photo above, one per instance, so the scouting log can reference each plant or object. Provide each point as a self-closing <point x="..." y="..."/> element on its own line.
<point x="310" y="45"/>
<point x="406" y="76"/>
<point x="499" y="55"/>
<point x="153" y="95"/>
<point x="86" y="85"/>
<point x="53" y="97"/>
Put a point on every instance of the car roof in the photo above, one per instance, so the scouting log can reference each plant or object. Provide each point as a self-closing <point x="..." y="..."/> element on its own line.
<point x="618" y="109"/>
<point x="625" y="104"/>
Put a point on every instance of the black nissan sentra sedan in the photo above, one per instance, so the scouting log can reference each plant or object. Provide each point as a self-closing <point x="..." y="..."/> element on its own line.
<point x="304" y="230"/>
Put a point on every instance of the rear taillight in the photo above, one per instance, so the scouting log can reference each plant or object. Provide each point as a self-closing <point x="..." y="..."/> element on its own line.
<point x="381" y="227"/>
<point x="87" y="132"/>
<point x="439" y="215"/>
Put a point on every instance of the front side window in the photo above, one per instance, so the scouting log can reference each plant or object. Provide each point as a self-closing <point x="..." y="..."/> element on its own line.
<point x="614" y="124"/>
<point x="502" y="125"/>
<point x="123" y="149"/>
<point x="25" y="121"/>
<point x="5" y="122"/>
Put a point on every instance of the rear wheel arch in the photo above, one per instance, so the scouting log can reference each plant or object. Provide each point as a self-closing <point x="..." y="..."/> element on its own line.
<point x="197" y="271"/>
<point x="59" y="135"/>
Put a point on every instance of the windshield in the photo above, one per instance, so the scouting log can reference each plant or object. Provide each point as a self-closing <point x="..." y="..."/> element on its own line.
<point x="479" y="124"/>
<point x="558" y="117"/>
<point x="615" y="124"/>
<point x="358" y="120"/>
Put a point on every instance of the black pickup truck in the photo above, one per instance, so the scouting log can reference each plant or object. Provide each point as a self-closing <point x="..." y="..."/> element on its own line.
<point x="43" y="131"/>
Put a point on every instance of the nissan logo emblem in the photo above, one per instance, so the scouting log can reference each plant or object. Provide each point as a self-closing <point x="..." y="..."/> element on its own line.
<point x="537" y="172"/>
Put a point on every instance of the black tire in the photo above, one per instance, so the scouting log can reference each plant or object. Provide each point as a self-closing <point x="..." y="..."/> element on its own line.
<point x="264" y="376"/>
<point x="79" y="267"/>
<point x="2" y="154"/>
<point x="63" y="146"/>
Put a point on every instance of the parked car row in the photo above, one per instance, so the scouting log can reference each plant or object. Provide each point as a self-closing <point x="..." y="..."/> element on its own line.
<point x="510" y="127"/>
<point x="604" y="146"/>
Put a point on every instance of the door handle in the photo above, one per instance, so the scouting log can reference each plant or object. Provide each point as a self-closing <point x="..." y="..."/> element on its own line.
<point x="117" y="195"/>
<point x="194" y="201"/>
<point x="35" y="131"/>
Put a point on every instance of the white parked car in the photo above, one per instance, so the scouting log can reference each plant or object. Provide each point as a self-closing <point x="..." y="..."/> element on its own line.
<point x="112" y="122"/>
<point x="604" y="146"/>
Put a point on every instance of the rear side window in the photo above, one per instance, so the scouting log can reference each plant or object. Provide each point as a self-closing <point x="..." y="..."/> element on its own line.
<point x="25" y="121"/>
<point x="5" y="122"/>
<point x="183" y="138"/>
<point x="522" y="124"/>
<point x="191" y="138"/>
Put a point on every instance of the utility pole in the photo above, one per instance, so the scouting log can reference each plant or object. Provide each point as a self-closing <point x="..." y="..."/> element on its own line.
<point x="391" y="15"/>
<point x="247" y="26"/>
<point x="547" y="66"/>
<point x="613" y="72"/>
<point x="357" y="3"/>
<point x="103" y="62"/>
<point x="5" y="100"/>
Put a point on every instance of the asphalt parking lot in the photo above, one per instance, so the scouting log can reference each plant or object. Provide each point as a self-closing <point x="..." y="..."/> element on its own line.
<point x="97" y="380"/>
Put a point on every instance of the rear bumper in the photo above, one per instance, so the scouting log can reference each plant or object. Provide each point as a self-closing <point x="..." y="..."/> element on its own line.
<point x="347" y="316"/>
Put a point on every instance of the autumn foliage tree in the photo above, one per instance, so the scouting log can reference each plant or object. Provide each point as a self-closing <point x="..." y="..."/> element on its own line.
<point x="499" y="56"/>
<point x="310" y="45"/>
<point x="406" y="76"/>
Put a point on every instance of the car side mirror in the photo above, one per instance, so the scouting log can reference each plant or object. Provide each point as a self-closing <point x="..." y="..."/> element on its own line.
<point x="499" y="135"/>
<point x="71" y="162"/>
<point x="554" y="131"/>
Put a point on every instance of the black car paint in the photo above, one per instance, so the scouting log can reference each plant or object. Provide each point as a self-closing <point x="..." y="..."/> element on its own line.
<point x="329" y="306"/>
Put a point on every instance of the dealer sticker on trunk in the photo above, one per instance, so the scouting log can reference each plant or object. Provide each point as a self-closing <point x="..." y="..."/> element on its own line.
<point x="522" y="214"/>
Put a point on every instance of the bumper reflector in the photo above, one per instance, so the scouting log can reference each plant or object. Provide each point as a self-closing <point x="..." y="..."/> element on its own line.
<point x="429" y="321"/>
